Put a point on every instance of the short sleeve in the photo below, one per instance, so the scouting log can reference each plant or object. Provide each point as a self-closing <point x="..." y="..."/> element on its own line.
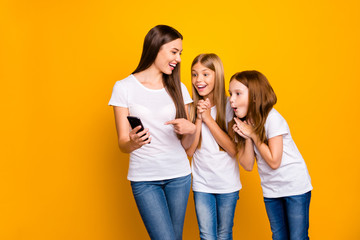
<point x="229" y="113"/>
<point x="119" y="95"/>
<point x="275" y="125"/>
<point x="186" y="95"/>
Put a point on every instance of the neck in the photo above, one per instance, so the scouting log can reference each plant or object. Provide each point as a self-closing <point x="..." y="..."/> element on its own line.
<point x="151" y="77"/>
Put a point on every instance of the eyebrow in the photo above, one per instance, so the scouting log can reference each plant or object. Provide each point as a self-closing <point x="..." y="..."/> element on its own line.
<point x="201" y="70"/>
<point x="177" y="49"/>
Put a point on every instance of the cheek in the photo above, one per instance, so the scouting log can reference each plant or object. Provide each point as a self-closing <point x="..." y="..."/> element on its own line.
<point x="245" y="101"/>
<point x="193" y="81"/>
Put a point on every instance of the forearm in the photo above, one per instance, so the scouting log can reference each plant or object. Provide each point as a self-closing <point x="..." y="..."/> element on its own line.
<point x="126" y="146"/>
<point x="246" y="156"/>
<point x="191" y="150"/>
<point x="271" y="153"/>
<point x="187" y="140"/>
<point x="221" y="137"/>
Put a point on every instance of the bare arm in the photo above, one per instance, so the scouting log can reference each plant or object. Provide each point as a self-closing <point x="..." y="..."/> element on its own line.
<point x="246" y="156"/>
<point x="271" y="152"/>
<point x="128" y="141"/>
<point x="191" y="150"/>
<point x="221" y="137"/>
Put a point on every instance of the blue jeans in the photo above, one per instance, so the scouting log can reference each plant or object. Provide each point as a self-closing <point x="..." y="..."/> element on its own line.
<point x="162" y="206"/>
<point x="289" y="216"/>
<point x="215" y="214"/>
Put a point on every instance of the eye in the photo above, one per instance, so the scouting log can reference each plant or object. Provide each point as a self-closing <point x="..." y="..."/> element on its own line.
<point x="206" y="74"/>
<point x="194" y="75"/>
<point x="238" y="94"/>
<point x="173" y="52"/>
<point x="230" y="94"/>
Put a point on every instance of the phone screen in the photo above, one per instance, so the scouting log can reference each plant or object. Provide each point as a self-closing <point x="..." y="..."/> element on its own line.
<point x="134" y="122"/>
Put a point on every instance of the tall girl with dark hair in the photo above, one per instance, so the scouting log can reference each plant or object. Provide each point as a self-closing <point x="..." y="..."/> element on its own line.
<point x="284" y="176"/>
<point x="159" y="170"/>
<point x="216" y="178"/>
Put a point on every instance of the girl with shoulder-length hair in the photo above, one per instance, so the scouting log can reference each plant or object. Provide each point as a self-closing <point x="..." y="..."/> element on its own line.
<point x="260" y="131"/>
<point x="216" y="179"/>
<point x="159" y="170"/>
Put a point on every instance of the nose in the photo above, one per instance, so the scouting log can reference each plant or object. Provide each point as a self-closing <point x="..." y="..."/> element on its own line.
<point x="178" y="58"/>
<point x="231" y="99"/>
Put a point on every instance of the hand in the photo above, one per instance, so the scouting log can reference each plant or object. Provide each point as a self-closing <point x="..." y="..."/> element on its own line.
<point x="204" y="109"/>
<point x="138" y="139"/>
<point x="182" y="126"/>
<point x="242" y="128"/>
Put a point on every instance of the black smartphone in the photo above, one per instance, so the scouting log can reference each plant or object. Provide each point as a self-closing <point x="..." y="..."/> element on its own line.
<point x="134" y="122"/>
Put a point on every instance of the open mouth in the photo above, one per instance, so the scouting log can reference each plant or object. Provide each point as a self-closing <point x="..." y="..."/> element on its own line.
<point x="201" y="87"/>
<point x="172" y="65"/>
<point x="234" y="109"/>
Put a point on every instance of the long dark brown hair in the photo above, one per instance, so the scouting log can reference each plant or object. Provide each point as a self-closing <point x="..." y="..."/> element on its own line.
<point x="262" y="98"/>
<point x="154" y="39"/>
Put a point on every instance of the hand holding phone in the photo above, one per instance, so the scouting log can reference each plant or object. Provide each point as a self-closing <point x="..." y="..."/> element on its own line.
<point x="134" y="122"/>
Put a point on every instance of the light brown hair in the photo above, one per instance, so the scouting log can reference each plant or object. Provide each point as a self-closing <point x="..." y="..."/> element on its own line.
<point x="262" y="98"/>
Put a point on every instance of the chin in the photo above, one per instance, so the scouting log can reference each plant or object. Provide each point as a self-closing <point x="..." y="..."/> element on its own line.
<point x="241" y="116"/>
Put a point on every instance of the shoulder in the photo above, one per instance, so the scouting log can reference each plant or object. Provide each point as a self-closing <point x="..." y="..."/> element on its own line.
<point x="229" y="109"/>
<point x="275" y="124"/>
<point x="183" y="87"/>
<point x="124" y="84"/>
<point x="185" y="93"/>
<point x="274" y="115"/>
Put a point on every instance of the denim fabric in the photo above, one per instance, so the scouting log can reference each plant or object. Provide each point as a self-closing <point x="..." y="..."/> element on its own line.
<point x="289" y="216"/>
<point x="162" y="206"/>
<point x="215" y="214"/>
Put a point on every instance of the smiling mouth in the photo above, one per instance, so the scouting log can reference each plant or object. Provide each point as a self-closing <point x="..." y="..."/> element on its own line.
<point x="201" y="87"/>
<point x="172" y="65"/>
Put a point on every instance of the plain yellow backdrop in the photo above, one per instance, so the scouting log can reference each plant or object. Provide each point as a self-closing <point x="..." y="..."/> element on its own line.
<point x="62" y="174"/>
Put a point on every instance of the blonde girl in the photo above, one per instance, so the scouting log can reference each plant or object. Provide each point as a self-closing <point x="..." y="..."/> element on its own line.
<point x="216" y="179"/>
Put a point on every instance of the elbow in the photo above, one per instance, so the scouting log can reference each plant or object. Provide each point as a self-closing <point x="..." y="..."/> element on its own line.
<point x="275" y="165"/>
<point x="189" y="153"/>
<point x="123" y="148"/>
<point x="247" y="165"/>
<point x="232" y="153"/>
<point x="248" y="168"/>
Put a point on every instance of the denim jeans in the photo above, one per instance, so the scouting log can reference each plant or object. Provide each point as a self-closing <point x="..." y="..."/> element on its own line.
<point x="289" y="216"/>
<point x="162" y="206"/>
<point x="215" y="214"/>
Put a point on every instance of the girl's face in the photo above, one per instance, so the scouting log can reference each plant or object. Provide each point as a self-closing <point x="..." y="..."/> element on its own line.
<point x="168" y="56"/>
<point x="239" y="98"/>
<point x="203" y="79"/>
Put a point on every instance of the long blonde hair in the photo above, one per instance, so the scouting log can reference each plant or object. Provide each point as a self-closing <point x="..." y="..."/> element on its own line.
<point x="213" y="62"/>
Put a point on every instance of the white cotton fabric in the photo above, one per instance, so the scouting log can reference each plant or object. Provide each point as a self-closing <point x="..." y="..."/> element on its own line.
<point x="292" y="177"/>
<point x="164" y="157"/>
<point x="213" y="170"/>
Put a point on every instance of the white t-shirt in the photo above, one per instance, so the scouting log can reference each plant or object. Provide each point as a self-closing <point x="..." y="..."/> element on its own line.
<point x="214" y="171"/>
<point x="292" y="177"/>
<point x="164" y="157"/>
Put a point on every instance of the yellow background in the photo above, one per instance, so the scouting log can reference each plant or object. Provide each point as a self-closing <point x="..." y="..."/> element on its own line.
<point x="62" y="175"/>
